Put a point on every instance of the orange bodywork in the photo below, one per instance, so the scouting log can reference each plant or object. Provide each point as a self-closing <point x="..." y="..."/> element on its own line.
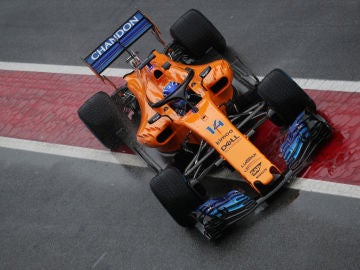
<point x="209" y="122"/>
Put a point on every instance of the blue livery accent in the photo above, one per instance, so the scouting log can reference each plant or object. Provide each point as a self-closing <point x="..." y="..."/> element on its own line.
<point x="216" y="125"/>
<point x="217" y="214"/>
<point x="231" y="202"/>
<point x="118" y="42"/>
<point x="297" y="136"/>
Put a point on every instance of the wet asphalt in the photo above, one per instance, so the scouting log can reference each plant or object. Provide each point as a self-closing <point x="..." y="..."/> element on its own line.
<point x="64" y="213"/>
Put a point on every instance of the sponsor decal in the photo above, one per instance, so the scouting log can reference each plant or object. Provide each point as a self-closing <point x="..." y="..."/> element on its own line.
<point x="256" y="169"/>
<point x="261" y="173"/>
<point x="229" y="143"/>
<point x="248" y="164"/>
<point x="224" y="136"/>
<point x="248" y="160"/>
<point x="216" y="125"/>
<point x="115" y="37"/>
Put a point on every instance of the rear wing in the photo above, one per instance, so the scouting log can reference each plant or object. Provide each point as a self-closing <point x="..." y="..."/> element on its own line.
<point x="119" y="42"/>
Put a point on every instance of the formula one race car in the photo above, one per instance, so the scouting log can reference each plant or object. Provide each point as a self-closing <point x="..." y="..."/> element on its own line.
<point x="193" y="109"/>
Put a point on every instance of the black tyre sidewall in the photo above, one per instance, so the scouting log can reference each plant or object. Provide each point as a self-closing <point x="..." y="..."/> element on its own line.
<point x="171" y="189"/>
<point x="284" y="96"/>
<point x="197" y="34"/>
<point x="101" y="116"/>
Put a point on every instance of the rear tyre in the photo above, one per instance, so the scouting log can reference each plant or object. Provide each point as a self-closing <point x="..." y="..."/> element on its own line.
<point x="101" y="116"/>
<point x="284" y="96"/>
<point x="197" y="34"/>
<point x="171" y="189"/>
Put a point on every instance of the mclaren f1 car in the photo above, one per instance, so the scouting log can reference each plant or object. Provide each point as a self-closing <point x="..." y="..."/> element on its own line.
<point x="192" y="108"/>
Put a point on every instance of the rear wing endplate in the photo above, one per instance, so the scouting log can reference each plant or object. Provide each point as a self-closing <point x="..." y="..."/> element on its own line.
<point x="116" y="44"/>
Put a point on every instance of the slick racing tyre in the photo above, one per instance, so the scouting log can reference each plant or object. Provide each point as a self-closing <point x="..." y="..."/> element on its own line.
<point x="171" y="189"/>
<point x="197" y="34"/>
<point x="284" y="97"/>
<point x="101" y="116"/>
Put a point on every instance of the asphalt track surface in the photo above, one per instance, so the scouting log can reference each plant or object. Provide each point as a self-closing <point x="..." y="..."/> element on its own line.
<point x="59" y="212"/>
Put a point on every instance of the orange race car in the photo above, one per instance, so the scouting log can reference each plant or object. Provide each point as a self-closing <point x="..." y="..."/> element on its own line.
<point x="193" y="108"/>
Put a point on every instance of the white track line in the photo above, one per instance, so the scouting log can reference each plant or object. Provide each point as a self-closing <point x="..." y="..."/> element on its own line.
<point x="133" y="160"/>
<point x="333" y="85"/>
<point x="63" y="69"/>
<point x="71" y="151"/>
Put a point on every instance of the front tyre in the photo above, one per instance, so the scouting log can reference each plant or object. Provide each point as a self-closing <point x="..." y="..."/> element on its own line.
<point x="171" y="189"/>
<point x="284" y="97"/>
